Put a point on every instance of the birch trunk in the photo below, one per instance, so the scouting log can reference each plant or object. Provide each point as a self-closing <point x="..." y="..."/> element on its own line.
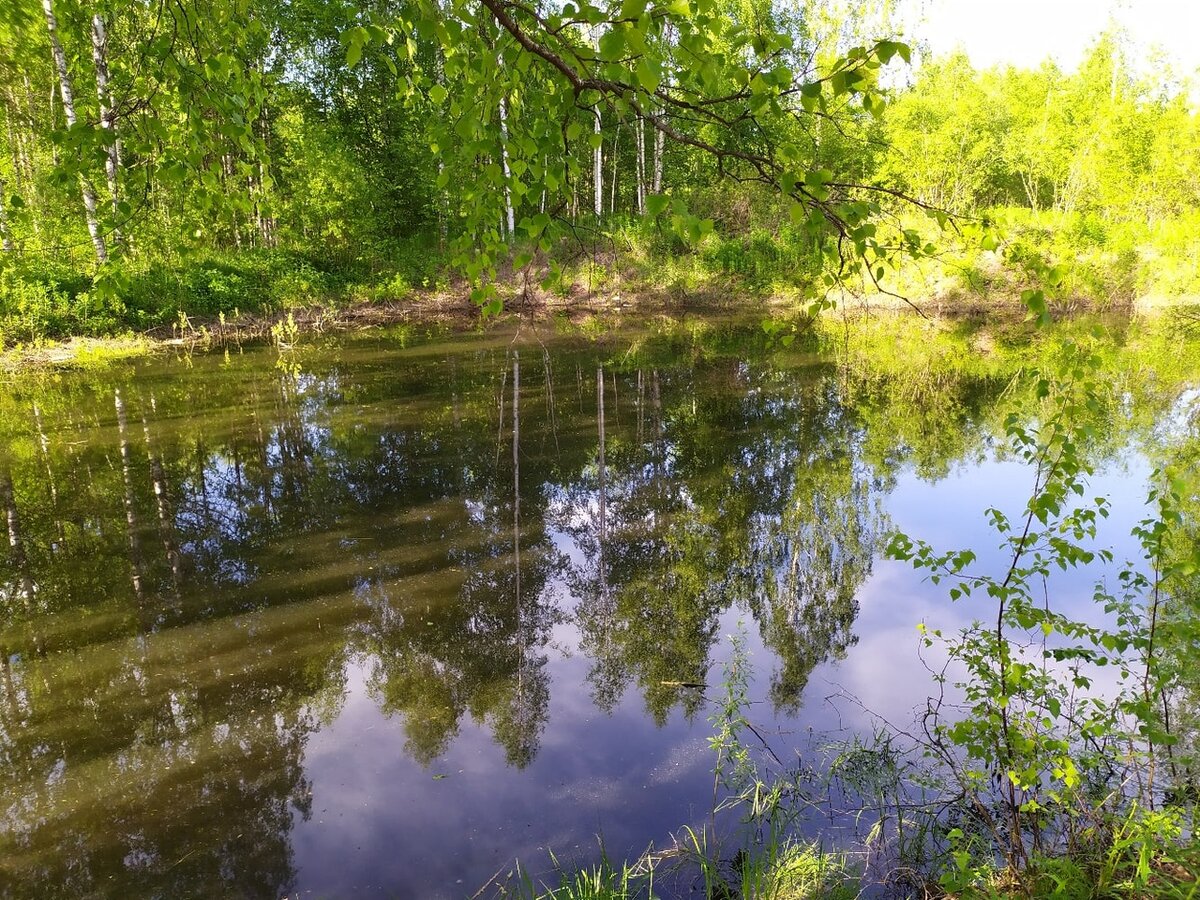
<point x="108" y="118"/>
<point x="658" y="160"/>
<point x="14" y="144"/>
<point x="639" y="162"/>
<point x="509" y="215"/>
<point x="26" y="134"/>
<point x="612" y="187"/>
<point x="68" y="101"/>
<point x="598" y="170"/>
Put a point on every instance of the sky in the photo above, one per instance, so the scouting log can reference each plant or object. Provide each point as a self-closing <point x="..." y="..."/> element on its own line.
<point x="1024" y="32"/>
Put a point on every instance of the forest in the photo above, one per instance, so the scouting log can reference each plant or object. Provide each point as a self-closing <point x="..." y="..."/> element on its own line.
<point x="219" y="157"/>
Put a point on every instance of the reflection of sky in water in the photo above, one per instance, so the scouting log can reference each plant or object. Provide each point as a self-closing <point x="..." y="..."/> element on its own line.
<point x="348" y="528"/>
<point x="380" y="819"/>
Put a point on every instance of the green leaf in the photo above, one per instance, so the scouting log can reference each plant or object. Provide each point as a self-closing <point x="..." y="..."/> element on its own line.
<point x="612" y="45"/>
<point x="656" y="204"/>
<point x="647" y="76"/>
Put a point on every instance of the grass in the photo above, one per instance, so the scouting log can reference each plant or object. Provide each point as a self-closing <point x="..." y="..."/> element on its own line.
<point x="43" y="299"/>
<point x="790" y="870"/>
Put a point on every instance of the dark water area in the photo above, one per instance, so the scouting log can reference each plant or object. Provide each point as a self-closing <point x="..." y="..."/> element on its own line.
<point x="379" y="616"/>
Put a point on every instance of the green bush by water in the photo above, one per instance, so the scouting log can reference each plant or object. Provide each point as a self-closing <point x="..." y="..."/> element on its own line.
<point x="45" y="299"/>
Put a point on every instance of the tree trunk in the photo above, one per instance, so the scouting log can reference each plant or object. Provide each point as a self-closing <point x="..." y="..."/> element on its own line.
<point x="15" y="145"/>
<point x="509" y="215"/>
<point x="68" y="101"/>
<point x="228" y="176"/>
<point x="658" y="160"/>
<point x="639" y="161"/>
<point x="612" y="188"/>
<point x="597" y="170"/>
<point x="108" y="119"/>
<point x="16" y="148"/>
<point x="5" y="235"/>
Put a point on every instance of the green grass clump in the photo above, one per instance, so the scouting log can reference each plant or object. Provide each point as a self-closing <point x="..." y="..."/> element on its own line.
<point x="45" y="299"/>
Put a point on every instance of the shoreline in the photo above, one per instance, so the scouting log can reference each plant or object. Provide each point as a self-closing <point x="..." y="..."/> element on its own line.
<point x="455" y="309"/>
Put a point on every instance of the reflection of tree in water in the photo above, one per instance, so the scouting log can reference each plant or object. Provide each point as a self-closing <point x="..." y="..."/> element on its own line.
<point x="171" y="763"/>
<point x="817" y="554"/>
<point x="759" y="498"/>
<point x="152" y="729"/>
<point x="643" y="608"/>
<point x="475" y="642"/>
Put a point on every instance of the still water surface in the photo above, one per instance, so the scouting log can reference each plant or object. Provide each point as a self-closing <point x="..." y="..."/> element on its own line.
<point x="381" y="616"/>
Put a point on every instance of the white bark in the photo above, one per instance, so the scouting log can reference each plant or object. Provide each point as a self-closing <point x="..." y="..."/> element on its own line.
<point x="509" y="215"/>
<point x="658" y="160"/>
<point x="68" y="101"/>
<point x="108" y="119"/>
<point x="639" y="159"/>
<point x="598" y="169"/>
<point x="612" y="188"/>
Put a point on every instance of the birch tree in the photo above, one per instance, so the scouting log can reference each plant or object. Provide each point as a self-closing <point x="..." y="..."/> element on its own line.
<point x="68" y="101"/>
<point x="112" y="141"/>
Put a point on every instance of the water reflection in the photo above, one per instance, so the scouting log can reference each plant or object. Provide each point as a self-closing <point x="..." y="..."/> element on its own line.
<point x="199" y="561"/>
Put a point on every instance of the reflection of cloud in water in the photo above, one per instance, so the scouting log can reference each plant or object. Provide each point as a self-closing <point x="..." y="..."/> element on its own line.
<point x="378" y="816"/>
<point x="681" y="760"/>
<point x="889" y="673"/>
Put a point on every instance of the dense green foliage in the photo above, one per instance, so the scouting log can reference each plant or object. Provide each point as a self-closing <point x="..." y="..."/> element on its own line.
<point x="221" y="155"/>
<point x="1096" y="168"/>
<point x="150" y="143"/>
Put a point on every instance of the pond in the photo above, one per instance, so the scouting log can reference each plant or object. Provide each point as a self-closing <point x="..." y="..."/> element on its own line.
<point x="381" y="615"/>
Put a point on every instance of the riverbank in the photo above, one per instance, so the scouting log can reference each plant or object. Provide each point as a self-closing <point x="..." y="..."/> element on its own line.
<point x="218" y="296"/>
<point x="54" y="316"/>
<point x="285" y="327"/>
<point x="982" y="317"/>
